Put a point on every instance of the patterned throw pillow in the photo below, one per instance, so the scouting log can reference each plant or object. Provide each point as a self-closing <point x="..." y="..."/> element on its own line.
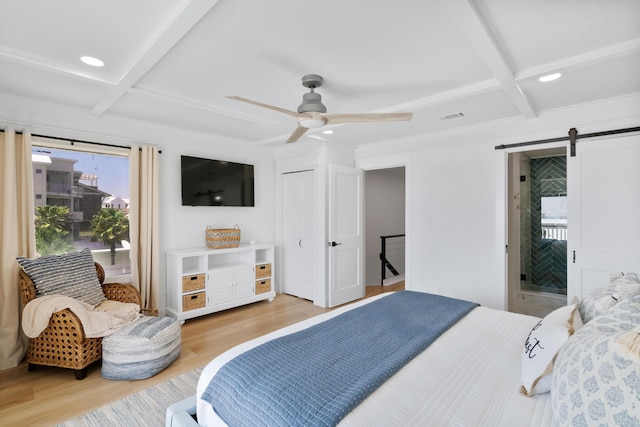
<point x="72" y="274"/>
<point x="542" y="345"/>
<point x="596" y="379"/>
<point x="590" y="305"/>
<point x="602" y="299"/>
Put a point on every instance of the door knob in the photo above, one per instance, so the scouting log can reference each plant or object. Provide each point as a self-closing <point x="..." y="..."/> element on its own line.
<point x="332" y="244"/>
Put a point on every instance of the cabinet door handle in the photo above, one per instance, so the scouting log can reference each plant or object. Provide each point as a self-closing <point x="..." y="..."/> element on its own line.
<point x="300" y="242"/>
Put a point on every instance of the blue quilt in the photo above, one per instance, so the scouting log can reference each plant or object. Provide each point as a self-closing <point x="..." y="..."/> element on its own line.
<point x="316" y="376"/>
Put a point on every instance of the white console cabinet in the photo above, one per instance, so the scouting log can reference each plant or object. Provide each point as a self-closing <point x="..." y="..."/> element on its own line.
<point x="202" y="281"/>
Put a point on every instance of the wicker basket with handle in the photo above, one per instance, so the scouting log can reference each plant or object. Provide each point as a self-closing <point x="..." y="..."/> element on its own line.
<point x="219" y="238"/>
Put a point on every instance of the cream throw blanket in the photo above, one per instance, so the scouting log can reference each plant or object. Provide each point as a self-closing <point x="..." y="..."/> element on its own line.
<point x="98" y="321"/>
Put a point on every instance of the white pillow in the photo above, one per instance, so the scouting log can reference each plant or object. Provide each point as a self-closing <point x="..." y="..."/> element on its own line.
<point x="542" y="345"/>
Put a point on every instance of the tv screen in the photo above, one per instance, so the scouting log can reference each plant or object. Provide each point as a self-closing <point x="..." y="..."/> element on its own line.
<point x="207" y="182"/>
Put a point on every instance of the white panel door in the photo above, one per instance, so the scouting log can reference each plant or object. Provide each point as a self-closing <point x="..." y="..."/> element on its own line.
<point x="603" y="211"/>
<point x="299" y="247"/>
<point x="346" y="230"/>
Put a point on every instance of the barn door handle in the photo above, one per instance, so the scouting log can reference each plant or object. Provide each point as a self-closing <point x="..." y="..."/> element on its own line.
<point x="332" y="244"/>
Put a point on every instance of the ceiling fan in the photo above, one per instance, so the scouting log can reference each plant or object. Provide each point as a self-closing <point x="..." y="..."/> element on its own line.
<point x="313" y="114"/>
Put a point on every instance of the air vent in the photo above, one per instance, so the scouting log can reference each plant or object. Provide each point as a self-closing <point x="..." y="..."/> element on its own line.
<point x="453" y="116"/>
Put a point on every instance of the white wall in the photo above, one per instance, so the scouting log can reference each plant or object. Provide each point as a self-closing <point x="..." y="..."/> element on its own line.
<point x="457" y="192"/>
<point x="180" y="227"/>
<point x="456" y="186"/>
<point x="456" y="222"/>
<point x="184" y="226"/>
<point x="384" y="212"/>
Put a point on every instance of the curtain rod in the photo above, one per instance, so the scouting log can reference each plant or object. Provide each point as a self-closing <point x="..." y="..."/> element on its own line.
<point x="572" y="137"/>
<point x="72" y="141"/>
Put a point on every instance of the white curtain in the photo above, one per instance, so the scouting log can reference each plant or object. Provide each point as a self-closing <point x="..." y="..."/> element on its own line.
<point x="144" y="223"/>
<point x="16" y="239"/>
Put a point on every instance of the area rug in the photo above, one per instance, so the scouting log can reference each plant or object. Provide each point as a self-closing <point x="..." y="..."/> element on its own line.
<point x="147" y="408"/>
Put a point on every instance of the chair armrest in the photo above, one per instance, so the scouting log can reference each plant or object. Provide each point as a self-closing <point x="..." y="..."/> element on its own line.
<point x="27" y="288"/>
<point x="122" y="292"/>
<point x="64" y="325"/>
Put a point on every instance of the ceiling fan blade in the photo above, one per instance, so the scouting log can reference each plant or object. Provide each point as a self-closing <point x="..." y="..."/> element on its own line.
<point x="333" y="119"/>
<point x="297" y="134"/>
<point x="260" y="104"/>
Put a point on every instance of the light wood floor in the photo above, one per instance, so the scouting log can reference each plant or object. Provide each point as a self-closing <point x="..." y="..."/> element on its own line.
<point x="51" y="395"/>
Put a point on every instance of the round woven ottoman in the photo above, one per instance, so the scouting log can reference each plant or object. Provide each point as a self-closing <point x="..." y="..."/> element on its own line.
<point x="141" y="349"/>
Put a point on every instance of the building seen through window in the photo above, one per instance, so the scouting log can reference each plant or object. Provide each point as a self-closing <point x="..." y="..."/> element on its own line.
<point x="82" y="201"/>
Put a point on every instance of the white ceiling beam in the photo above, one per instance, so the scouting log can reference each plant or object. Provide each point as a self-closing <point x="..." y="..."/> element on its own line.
<point x="166" y="38"/>
<point x="191" y="103"/>
<point x="49" y="65"/>
<point x="447" y="96"/>
<point x="466" y="16"/>
<point x="627" y="48"/>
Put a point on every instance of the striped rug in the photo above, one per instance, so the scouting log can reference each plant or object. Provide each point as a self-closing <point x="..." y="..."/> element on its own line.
<point x="146" y="408"/>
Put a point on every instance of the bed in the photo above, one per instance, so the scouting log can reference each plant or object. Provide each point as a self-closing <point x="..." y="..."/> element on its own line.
<point x="471" y="375"/>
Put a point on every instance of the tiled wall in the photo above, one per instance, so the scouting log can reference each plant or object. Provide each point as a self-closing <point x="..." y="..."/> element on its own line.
<point x="547" y="258"/>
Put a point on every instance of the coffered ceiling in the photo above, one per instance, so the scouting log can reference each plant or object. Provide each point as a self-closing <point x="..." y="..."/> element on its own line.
<point x="453" y="63"/>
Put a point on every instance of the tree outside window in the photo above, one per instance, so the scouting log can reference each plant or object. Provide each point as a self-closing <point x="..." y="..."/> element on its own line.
<point x="53" y="230"/>
<point x="72" y="192"/>
<point x="110" y="226"/>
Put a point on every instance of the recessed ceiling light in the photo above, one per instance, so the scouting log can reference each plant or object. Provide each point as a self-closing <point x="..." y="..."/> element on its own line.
<point x="550" y="77"/>
<point x="94" y="62"/>
<point x="327" y="132"/>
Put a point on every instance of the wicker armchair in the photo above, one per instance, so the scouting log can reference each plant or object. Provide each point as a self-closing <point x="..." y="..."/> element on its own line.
<point x="63" y="343"/>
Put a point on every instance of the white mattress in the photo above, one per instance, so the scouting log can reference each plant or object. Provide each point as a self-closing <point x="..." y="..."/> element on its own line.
<point x="470" y="376"/>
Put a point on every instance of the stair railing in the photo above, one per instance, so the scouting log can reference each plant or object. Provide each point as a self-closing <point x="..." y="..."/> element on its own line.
<point x="395" y="252"/>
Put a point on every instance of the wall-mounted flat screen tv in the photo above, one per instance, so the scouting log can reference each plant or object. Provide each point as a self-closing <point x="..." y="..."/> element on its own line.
<point x="207" y="182"/>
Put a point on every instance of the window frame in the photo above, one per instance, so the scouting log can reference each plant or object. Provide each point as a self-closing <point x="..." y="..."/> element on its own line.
<point x="112" y="275"/>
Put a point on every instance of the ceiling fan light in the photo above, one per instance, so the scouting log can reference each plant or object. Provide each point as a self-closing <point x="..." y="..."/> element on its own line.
<point x="311" y="123"/>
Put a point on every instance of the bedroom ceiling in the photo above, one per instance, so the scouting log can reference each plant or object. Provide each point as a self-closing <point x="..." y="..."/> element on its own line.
<point x="171" y="63"/>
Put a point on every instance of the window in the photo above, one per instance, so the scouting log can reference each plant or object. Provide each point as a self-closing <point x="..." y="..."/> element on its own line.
<point x="72" y="187"/>
<point x="553" y="217"/>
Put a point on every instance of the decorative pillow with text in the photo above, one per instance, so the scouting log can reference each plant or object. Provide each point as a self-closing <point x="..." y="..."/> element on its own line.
<point x="542" y="345"/>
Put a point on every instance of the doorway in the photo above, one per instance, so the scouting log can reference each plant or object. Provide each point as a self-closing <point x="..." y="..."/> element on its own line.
<point x="385" y="214"/>
<point x="538" y="219"/>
